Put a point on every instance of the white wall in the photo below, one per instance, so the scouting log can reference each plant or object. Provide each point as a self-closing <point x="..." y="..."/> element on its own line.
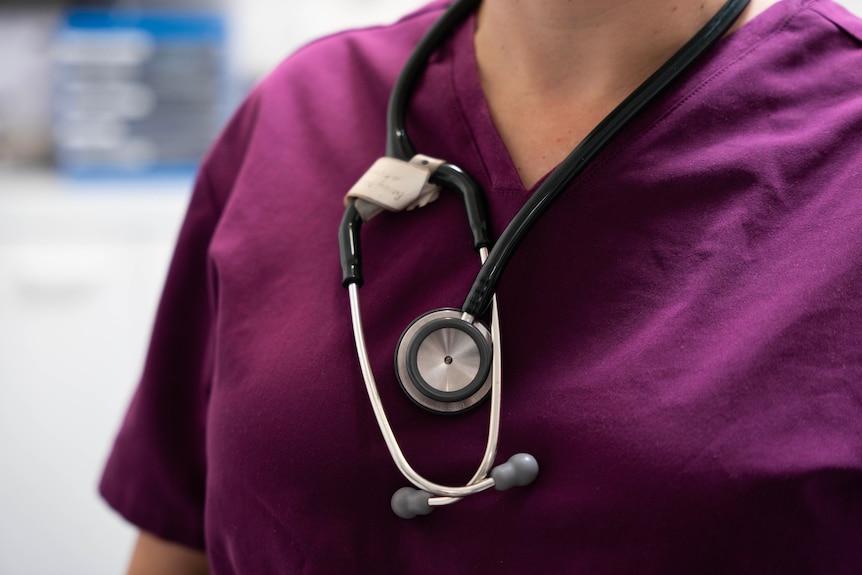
<point x="265" y="31"/>
<point x="80" y="272"/>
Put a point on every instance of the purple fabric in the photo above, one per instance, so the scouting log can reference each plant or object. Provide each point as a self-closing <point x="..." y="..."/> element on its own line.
<point x="681" y="332"/>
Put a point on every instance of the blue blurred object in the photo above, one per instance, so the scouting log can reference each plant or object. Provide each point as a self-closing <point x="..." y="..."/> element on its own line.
<point x="137" y="92"/>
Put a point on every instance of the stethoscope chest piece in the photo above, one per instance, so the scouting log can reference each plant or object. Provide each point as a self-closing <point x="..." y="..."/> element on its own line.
<point x="443" y="361"/>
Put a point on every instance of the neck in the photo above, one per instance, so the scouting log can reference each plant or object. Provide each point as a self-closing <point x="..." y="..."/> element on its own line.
<point x="552" y="69"/>
<point x="553" y="46"/>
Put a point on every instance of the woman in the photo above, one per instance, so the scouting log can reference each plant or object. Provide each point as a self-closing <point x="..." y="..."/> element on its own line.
<point x="679" y="332"/>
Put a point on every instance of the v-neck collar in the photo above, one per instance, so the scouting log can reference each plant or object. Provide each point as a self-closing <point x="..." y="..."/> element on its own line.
<point x="500" y="169"/>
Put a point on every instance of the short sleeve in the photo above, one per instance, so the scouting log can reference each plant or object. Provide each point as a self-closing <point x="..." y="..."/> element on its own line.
<point x="155" y="475"/>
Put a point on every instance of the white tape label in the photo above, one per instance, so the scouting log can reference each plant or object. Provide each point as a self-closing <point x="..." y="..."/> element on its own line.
<point x="396" y="185"/>
<point x="390" y="183"/>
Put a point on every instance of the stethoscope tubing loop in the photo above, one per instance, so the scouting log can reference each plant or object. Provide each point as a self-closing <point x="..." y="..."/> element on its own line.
<point x="443" y="494"/>
<point x="448" y="175"/>
<point x="398" y="144"/>
<point x="453" y="177"/>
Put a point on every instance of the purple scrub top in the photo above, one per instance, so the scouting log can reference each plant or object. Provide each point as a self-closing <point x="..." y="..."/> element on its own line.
<point x="681" y="333"/>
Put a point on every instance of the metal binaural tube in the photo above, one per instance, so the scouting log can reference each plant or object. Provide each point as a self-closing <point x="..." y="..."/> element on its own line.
<point x="383" y="423"/>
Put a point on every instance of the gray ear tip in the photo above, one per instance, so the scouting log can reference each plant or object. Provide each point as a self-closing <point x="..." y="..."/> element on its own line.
<point x="521" y="469"/>
<point x="408" y="502"/>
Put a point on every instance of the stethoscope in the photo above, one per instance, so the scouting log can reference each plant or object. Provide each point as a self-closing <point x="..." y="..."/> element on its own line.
<point x="448" y="361"/>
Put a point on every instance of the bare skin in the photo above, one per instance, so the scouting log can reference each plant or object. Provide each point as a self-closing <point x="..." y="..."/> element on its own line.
<point x="157" y="556"/>
<point x="552" y="69"/>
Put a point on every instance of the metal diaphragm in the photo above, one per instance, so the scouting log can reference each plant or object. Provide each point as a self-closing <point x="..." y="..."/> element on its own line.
<point x="444" y="362"/>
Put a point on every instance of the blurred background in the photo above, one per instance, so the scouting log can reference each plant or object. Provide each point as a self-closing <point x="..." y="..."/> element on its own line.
<point x="105" y="110"/>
